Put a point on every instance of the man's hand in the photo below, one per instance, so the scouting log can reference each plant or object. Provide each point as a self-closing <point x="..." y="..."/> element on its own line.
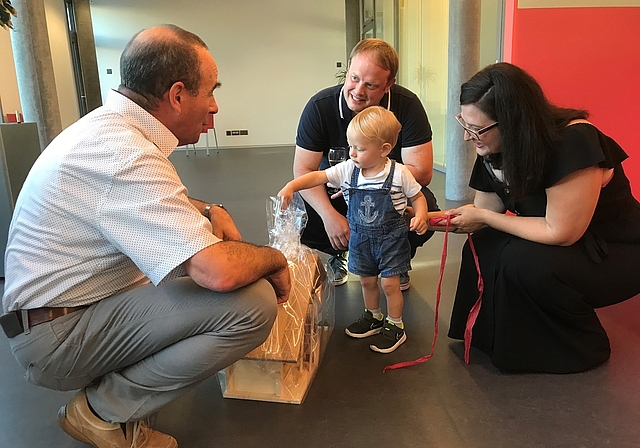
<point x="281" y="282"/>
<point x="336" y="225"/>
<point x="229" y="265"/>
<point x="338" y="231"/>
<point x="222" y="225"/>
<point x="337" y="194"/>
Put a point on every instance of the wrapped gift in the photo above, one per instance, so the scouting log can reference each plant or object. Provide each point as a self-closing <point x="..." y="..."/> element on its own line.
<point x="283" y="367"/>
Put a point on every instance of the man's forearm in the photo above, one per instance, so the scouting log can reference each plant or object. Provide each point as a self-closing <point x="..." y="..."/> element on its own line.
<point x="318" y="198"/>
<point x="197" y="203"/>
<point x="229" y="265"/>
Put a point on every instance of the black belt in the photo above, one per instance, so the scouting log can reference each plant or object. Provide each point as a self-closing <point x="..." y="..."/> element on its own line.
<point x="13" y="323"/>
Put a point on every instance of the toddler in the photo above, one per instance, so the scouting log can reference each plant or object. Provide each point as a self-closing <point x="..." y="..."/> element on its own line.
<point x="376" y="190"/>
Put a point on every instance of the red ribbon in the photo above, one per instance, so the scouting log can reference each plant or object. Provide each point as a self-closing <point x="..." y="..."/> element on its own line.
<point x="475" y="309"/>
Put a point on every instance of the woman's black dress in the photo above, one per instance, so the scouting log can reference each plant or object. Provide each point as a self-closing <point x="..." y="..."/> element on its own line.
<point x="538" y="305"/>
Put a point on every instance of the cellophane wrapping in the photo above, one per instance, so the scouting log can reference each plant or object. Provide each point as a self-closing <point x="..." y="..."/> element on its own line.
<point x="283" y="367"/>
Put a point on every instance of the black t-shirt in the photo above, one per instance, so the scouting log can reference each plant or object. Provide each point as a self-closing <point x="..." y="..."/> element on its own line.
<point x="321" y="125"/>
<point x="583" y="145"/>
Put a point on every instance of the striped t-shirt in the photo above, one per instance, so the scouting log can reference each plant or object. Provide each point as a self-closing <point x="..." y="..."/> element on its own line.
<point x="404" y="185"/>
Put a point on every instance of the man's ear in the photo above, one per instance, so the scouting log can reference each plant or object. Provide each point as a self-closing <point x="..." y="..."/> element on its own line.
<point x="176" y="95"/>
<point x="389" y="84"/>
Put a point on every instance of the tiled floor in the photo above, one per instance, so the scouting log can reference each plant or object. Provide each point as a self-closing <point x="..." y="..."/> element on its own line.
<point x="442" y="403"/>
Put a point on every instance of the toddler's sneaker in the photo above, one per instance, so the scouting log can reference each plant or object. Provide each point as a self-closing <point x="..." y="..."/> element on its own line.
<point x="390" y="338"/>
<point x="364" y="327"/>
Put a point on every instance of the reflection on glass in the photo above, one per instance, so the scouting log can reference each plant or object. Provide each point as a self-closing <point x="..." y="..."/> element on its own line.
<point x="337" y="155"/>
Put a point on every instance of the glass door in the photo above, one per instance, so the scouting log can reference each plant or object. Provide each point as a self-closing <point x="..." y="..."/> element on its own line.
<point x="75" y="57"/>
<point x="378" y="19"/>
<point x="419" y="31"/>
<point x="422" y="48"/>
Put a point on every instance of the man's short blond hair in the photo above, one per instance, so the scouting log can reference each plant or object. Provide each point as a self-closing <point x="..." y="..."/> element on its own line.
<point x="385" y="55"/>
<point x="376" y="123"/>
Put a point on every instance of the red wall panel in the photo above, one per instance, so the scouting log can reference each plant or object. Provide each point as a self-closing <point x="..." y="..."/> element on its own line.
<point x="587" y="58"/>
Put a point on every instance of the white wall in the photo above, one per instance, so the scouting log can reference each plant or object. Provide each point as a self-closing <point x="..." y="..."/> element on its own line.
<point x="272" y="56"/>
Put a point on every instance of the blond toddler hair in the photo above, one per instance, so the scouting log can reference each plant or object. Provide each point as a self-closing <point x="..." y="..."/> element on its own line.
<point x="376" y="123"/>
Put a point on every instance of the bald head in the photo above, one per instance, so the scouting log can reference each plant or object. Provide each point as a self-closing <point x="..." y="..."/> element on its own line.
<point x="156" y="58"/>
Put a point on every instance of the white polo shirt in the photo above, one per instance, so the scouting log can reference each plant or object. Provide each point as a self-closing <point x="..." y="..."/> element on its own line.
<point x="102" y="211"/>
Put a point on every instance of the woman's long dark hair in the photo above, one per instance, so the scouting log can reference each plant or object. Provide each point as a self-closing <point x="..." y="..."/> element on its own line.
<point x="529" y="124"/>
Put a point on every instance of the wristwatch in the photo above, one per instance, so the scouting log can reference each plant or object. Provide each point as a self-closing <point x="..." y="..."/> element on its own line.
<point x="207" y="208"/>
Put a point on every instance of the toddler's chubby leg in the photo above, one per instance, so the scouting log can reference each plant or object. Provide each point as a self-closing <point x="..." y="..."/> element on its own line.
<point x="395" y="299"/>
<point x="368" y="324"/>
<point x="392" y="333"/>
<point x="370" y="292"/>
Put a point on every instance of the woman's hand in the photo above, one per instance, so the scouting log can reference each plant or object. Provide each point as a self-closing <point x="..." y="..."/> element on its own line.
<point x="468" y="219"/>
<point x="473" y="217"/>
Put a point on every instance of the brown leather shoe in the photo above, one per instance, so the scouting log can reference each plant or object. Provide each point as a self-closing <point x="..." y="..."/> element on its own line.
<point x="77" y="420"/>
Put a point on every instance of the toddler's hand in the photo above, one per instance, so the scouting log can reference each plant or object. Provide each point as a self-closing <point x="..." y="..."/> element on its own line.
<point x="418" y="225"/>
<point x="286" y="196"/>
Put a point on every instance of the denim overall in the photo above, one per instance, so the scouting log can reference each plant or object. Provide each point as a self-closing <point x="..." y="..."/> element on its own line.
<point x="379" y="234"/>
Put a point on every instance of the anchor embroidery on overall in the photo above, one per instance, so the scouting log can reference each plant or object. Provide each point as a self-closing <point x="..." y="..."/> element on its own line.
<point x="368" y="204"/>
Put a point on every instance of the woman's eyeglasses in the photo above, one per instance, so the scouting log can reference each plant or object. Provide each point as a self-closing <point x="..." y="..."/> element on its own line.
<point x="475" y="135"/>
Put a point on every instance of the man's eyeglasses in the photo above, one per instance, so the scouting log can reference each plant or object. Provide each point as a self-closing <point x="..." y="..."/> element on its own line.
<point x="475" y="135"/>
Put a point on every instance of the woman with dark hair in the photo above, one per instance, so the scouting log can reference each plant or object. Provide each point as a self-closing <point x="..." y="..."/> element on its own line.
<point x="554" y="223"/>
